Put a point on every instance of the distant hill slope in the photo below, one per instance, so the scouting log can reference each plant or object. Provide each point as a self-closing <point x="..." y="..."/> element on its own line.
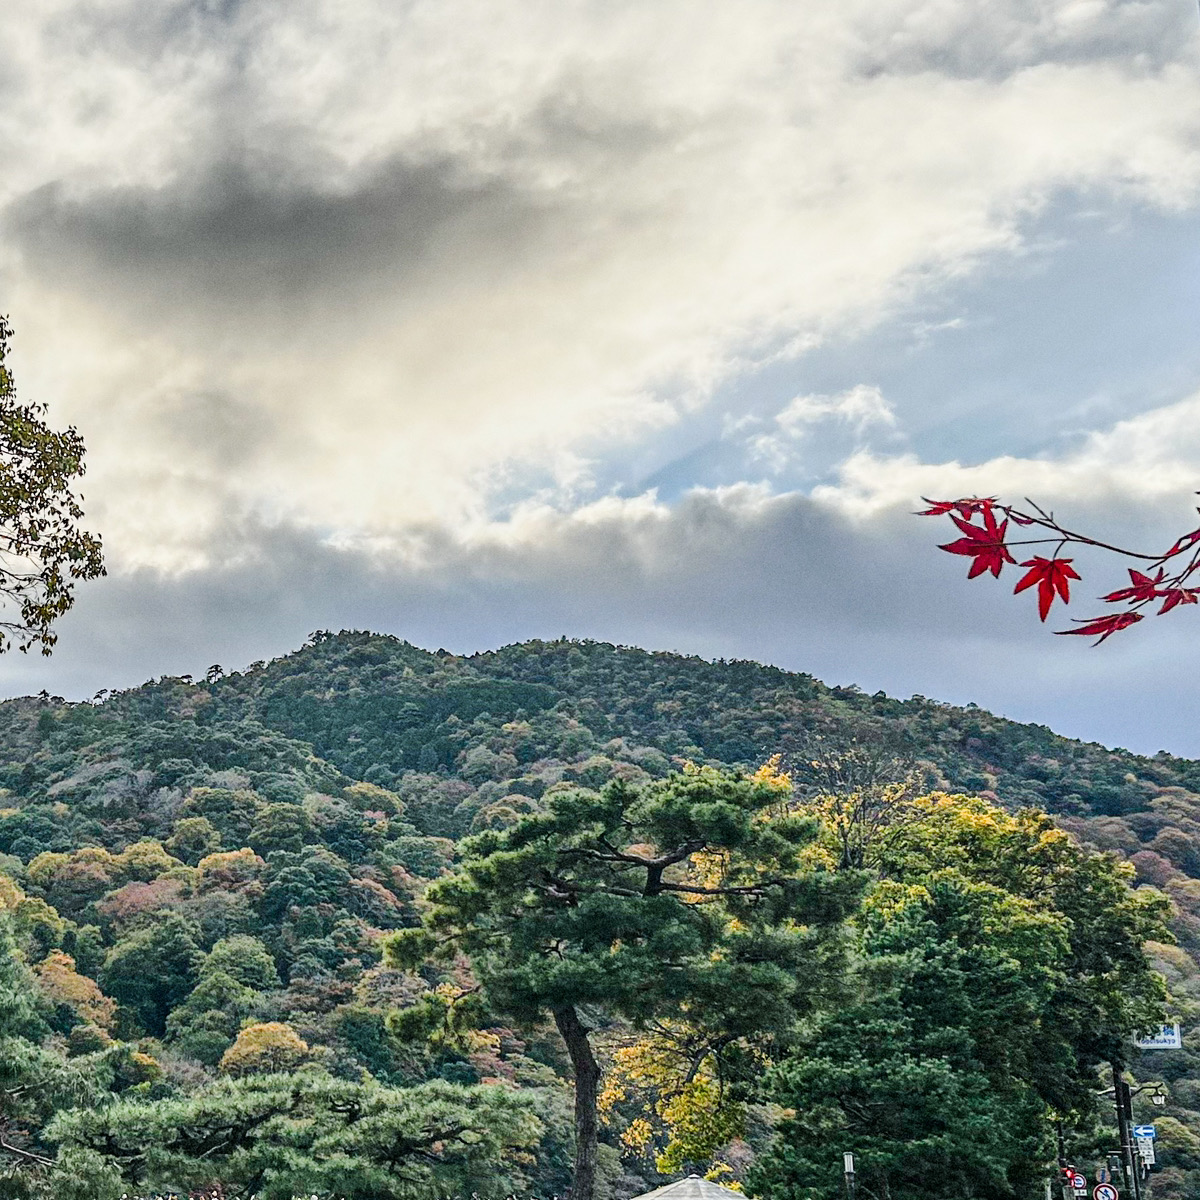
<point x="363" y="706"/>
<point x="371" y="703"/>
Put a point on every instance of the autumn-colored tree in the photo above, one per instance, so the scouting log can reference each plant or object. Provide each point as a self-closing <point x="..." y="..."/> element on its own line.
<point x="35" y="1079"/>
<point x="132" y="904"/>
<point x="264" y="1049"/>
<point x="80" y="996"/>
<point x="681" y="1111"/>
<point x="857" y="788"/>
<point x="232" y="871"/>
<point x="1159" y="583"/>
<point x="44" y="551"/>
<point x="36" y="925"/>
<point x="142" y="862"/>
<point x="71" y="882"/>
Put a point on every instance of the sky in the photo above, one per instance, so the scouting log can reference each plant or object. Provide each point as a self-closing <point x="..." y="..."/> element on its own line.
<point x="648" y="322"/>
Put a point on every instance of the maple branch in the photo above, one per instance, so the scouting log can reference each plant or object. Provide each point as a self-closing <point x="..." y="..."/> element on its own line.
<point x="1047" y="521"/>
<point x="988" y="547"/>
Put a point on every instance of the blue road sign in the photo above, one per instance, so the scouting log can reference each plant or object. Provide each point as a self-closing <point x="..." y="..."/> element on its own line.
<point x="1144" y="1131"/>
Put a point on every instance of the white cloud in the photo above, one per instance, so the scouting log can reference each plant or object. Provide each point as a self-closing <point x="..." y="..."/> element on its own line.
<point x="1126" y="472"/>
<point x="860" y="408"/>
<point x="386" y="262"/>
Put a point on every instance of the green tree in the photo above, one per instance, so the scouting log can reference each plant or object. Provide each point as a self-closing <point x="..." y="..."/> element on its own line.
<point x="999" y="966"/>
<point x="245" y="959"/>
<point x="279" y="1136"/>
<point x="206" y="1023"/>
<point x="315" y="877"/>
<point x="153" y="969"/>
<point x="35" y="1080"/>
<point x="45" y="551"/>
<point x="192" y="838"/>
<point x="230" y="812"/>
<point x="280" y="827"/>
<point x="1107" y="988"/>
<point x="921" y="1078"/>
<point x="678" y="899"/>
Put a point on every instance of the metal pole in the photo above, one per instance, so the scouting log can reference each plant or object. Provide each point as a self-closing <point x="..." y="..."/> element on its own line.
<point x="1062" y="1163"/>
<point x="1135" y="1158"/>
<point x="848" y="1165"/>
<point x="1128" y="1170"/>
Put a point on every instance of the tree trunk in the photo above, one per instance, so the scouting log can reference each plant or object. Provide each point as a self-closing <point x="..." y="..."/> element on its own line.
<point x="587" y="1080"/>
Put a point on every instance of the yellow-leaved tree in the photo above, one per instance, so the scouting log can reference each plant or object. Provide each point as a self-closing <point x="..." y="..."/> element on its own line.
<point x="667" y="1098"/>
<point x="265" y="1049"/>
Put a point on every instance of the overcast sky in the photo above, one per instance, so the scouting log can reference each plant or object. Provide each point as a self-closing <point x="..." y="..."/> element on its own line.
<point x="647" y="321"/>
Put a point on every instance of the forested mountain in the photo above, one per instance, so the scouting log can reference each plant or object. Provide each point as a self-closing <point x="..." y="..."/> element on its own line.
<point x="201" y="877"/>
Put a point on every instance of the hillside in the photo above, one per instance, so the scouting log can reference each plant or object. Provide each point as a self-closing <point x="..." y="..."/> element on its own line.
<point x="364" y="707"/>
<point x="306" y="802"/>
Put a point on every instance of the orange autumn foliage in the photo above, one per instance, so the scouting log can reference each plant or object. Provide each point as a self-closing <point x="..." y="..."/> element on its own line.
<point x="61" y="984"/>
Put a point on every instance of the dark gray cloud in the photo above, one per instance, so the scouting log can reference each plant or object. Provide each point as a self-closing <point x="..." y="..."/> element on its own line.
<point x="236" y="238"/>
<point x="211" y="430"/>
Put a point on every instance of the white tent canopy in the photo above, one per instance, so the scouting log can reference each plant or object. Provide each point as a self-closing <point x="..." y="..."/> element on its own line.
<point x="692" y="1188"/>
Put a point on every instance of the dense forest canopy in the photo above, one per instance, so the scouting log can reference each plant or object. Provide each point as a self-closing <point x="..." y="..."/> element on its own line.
<point x="258" y="931"/>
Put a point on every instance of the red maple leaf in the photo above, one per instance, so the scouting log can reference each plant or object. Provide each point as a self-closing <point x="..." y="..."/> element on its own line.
<point x="1104" y="626"/>
<point x="985" y="545"/>
<point x="937" y="508"/>
<point x="1051" y="575"/>
<point x="969" y="507"/>
<point x="1143" y="587"/>
<point x="1185" y="543"/>
<point x="1174" y="596"/>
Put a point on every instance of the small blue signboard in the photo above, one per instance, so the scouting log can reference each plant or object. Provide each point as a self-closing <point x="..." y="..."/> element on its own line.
<point x="1144" y="1131"/>
<point x="1167" y="1038"/>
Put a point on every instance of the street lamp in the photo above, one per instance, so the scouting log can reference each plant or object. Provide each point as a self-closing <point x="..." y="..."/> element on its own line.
<point x="848" y="1166"/>
<point x="1123" y="1094"/>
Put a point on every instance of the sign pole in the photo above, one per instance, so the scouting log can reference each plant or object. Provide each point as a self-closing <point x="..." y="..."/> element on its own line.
<point x="848" y="1165"/>
<point x="1123" y="1101"/>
